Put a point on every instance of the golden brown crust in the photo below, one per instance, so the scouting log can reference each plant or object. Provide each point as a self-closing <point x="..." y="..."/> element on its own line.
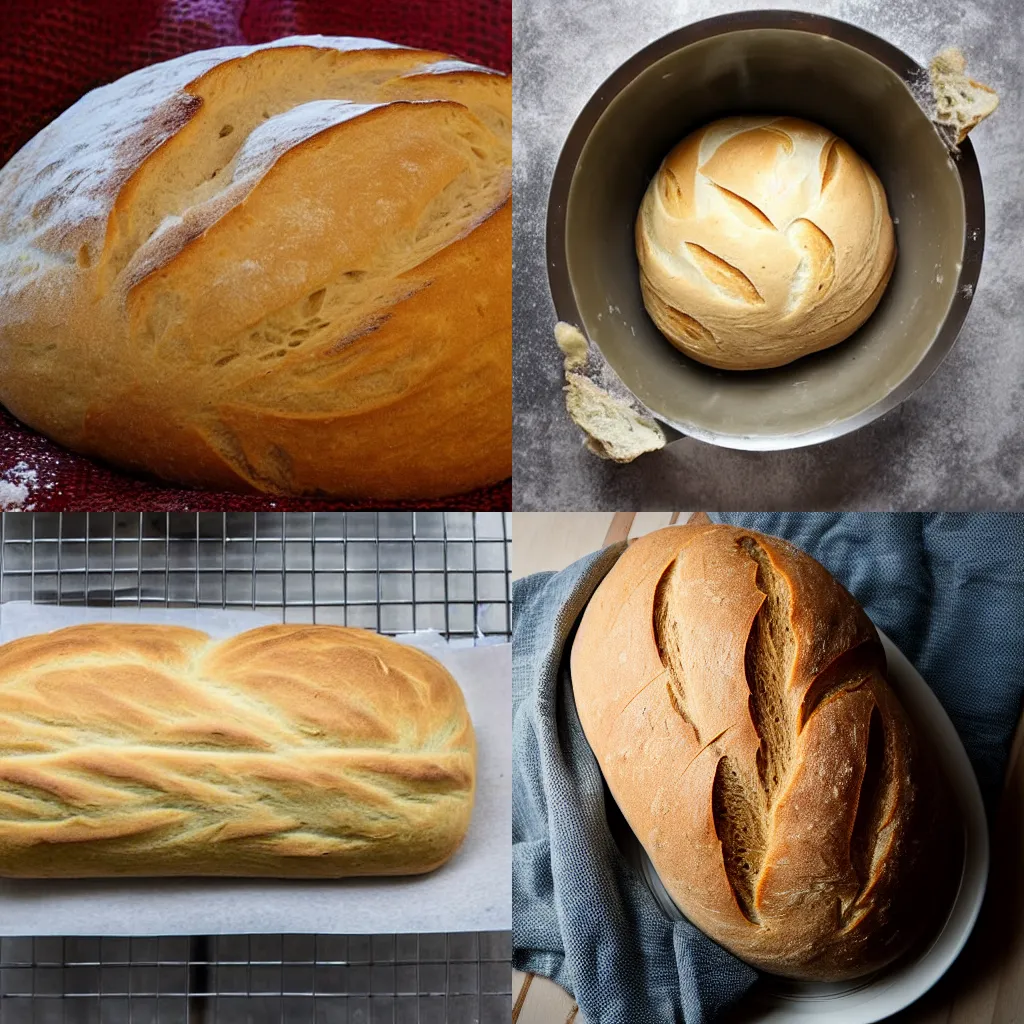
<point x="307" y="751"/>
<point x="760" y="240"/>
<point x="736" y="699"/>
<point x="283" y="268"/>
<point x="245" y="446"/>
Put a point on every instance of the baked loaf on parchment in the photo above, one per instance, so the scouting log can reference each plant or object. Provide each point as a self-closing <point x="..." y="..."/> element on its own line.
<point x="760" y="240"/>
<point x="312" y="751"/>
<point x="283" y="268"/>
<point x="735" y="696"/>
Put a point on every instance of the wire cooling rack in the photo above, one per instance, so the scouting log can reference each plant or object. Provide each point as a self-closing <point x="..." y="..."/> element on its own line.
<point x="390" y="571"/>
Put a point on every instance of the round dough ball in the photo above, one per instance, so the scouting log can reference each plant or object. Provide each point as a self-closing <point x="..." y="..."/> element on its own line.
<point x="761" y="240"/>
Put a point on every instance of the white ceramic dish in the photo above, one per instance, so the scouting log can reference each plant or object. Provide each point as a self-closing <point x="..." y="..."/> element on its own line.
<point x="872" y="998"/>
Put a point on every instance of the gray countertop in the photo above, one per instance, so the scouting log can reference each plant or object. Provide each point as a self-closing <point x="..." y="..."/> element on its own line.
<point x="956" y="443"/>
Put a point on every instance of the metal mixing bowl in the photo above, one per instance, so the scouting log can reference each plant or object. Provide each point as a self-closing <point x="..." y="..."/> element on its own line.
<point x="767" y="62"/>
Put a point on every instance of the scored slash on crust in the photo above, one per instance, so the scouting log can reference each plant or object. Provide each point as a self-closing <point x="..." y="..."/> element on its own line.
<point x="737" y="241"/>
<point x="284" y="750"/>
<point x="170" y="232"/>
<point x="743" y="802"/>
<point x="766" y="766"/>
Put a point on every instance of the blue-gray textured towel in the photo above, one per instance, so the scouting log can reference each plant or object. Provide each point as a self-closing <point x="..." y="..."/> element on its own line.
<point x="947" y="588"/>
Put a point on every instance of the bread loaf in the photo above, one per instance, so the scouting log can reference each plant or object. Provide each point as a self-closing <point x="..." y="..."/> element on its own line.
<point x="760" y="240"/>
<point x="285" y="751"/>
<point x="281" y="268"/>
<point x="735" y="696"/>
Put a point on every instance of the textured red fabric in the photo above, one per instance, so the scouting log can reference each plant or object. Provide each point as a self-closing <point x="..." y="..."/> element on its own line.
<point x="37" y="474"/>
<point x="54" y="51"/>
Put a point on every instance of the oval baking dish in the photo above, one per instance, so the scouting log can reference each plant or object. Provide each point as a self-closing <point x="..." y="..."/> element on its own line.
<point x="864" y="1000"/>
<point x="767" y="62"/>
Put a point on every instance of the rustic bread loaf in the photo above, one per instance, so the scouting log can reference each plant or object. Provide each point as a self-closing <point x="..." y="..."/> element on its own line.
<point x="760" y="240"/>
<point x="282" y="268"/>
<point x="735" y="696"/>
<point x="285" y="751"/>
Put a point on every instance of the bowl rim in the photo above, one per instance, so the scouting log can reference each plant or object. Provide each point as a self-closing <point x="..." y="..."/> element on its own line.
<point x="882" y="993"/>
<point x="909" y="71"/>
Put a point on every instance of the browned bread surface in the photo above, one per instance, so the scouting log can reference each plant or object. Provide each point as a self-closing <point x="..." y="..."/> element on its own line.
<point x="762" y="239"/>
<point x="307" y="751"/>
<point x="282" y="268"/>
<point x="735" y="696"/>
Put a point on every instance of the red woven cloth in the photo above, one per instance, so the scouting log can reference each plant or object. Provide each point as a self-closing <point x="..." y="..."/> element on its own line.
<point x="54" y="51"/>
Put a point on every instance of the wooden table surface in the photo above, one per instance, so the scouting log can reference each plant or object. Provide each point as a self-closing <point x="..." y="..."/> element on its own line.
<point x="984" y="986"/>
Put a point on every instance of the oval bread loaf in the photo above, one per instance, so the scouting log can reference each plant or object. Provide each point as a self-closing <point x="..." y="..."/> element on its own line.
<point x="735" y="696"/>
<point x="281" y="268"/>
<point x="760" y="240"/>
<point x="312" y="751"/>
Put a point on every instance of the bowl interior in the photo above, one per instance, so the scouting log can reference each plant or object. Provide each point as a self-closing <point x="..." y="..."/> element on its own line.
<point x="765" y="71"/>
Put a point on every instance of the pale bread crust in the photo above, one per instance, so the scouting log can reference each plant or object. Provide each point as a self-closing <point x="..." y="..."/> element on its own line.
<point x="761" y="240"/>
<point x="831" y="889"/>
<point x="961" y="103"/>
<point x="282" y="268"/>
<point x="286" y="751"/>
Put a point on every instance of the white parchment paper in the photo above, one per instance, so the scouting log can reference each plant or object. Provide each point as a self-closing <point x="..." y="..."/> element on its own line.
<point x="472" y="892"/>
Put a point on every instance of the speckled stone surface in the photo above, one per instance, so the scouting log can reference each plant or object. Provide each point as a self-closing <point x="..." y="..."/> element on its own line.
<point x="958" y="442"/>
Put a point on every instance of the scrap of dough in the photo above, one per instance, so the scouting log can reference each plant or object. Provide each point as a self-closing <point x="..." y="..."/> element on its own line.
<point x="960" y="102"/>
<point x="573" y="345"/>
<point x="614" y="429"/>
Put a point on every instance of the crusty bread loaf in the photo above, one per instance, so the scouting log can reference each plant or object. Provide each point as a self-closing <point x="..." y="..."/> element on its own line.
<point x="760" y="240"/>
<point x="283" y="268"/>
<point x="735" y="696"/>
<point x="285" y="751"/>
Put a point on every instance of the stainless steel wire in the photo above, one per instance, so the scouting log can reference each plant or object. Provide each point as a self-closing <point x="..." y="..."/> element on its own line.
<point x="390" y="571"/>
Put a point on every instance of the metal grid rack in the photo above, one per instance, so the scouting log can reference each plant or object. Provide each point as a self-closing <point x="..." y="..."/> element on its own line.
<point x="390" y="571"/>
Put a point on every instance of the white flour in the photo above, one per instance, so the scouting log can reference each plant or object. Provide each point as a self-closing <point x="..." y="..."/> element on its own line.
<point x="90" y="151"/>
<point x="17" y="485"/>
<point x="12" y="496"/>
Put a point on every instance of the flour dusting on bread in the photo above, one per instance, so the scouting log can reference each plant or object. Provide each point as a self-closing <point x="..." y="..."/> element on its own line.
<point x="283" y="267"/>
